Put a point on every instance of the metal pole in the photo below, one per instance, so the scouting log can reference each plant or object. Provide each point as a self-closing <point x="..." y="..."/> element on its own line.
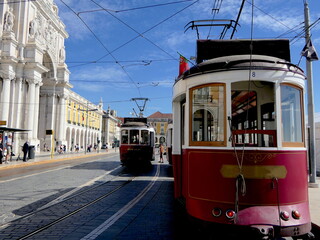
<point x="85" y="135"/>
<point x="312" y="177"/>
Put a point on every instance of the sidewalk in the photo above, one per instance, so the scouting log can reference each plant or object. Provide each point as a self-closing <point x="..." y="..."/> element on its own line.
<point x="45" y="157"/>
<point x="314" y="202"/>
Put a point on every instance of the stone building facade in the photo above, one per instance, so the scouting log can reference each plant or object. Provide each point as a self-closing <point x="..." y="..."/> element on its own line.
<point x="110" y="133"/>
<point x="34" y="79"/>
<point x="84" y="122"/>
<point x="160" y="122"/>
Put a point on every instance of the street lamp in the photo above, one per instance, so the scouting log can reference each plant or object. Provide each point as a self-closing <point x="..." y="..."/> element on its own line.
<point x="87" y="110"/>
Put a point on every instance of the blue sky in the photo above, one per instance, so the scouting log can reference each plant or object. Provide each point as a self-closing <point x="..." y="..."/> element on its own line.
<point x="131" y="50"/>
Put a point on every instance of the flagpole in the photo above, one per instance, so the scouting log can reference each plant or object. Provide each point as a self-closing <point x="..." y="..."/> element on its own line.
<point x="311" y="124"/>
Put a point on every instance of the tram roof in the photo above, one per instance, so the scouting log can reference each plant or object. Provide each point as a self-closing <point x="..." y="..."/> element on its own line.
<point x="208" y="49"/>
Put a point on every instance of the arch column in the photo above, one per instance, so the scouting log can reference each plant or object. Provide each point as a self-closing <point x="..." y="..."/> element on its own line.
<point x="62" y="117"/>
<point x="17" y="103"/>
<point x="36" y="110"/>
<point x="31" y="107"/>
<point x="5" y="99"/>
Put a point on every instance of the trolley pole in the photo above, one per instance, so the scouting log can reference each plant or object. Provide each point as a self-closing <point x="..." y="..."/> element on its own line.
<point x="312" y="157"/>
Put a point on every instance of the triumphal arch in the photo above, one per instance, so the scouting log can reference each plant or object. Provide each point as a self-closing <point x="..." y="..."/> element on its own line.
<point x="34" y="79"/>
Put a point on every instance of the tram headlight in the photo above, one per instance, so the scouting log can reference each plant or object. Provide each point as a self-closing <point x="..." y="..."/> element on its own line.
<point x="284" y="215"/>
<point x="296" y="214"/>
<point x="216" y="212"/>
<point x="230" y="214"/>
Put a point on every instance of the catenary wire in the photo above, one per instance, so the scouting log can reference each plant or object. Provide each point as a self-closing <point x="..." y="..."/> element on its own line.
<point x="109" y="53"/>
<point x="136" y="8"/>
<point x="156" y="25"/>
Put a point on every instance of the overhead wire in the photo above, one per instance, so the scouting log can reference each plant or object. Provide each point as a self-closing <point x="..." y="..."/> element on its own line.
<point x="103" y="45"/>
<point x="133" y="29"/>
<point x="269" y="15"/>
<point x="148" y="30"/>
<point x="303" y="31"/>
<point x="215" y="9"/>
<point x="137" y="8"/>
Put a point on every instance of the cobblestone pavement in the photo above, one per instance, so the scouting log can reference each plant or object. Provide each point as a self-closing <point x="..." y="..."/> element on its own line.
<point x="155" y="216"/>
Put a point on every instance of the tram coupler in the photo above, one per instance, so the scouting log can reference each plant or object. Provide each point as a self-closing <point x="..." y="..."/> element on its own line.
<point x="263" y="232"/>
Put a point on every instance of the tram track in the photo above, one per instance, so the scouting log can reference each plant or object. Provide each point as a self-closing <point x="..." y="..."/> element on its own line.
<point x="73" y="213"/>
<point x="76" y="203"/>
<point x="85" y="193"/>
<point x="65" y="197"/>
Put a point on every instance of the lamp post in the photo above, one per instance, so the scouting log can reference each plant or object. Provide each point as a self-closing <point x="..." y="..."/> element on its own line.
<point x="87" y="110"/>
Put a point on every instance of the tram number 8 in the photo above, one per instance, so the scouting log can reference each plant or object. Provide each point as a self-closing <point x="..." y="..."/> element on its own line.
<point x="253" y="74"/>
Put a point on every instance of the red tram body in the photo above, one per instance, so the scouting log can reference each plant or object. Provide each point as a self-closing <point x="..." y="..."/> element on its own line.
<point x="137" y="143"/>
<point x="239" y="151"/>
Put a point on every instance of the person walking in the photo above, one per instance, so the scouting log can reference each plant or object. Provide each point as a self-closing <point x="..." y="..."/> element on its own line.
<point x="25" y="149"/>
<point x="161" y="151"/>
<point x="1" y="152"/>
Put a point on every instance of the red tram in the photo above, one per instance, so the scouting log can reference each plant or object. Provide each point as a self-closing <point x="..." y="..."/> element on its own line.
<point x="169" y="142"/>
<point x="137" y="143"/>
<point x="239" y="150"/>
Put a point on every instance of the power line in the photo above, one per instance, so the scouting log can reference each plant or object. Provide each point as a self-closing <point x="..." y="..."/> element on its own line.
<point x="268" y="14"/>
<point x="109" y="53"/>
<point x="142" y="34"/>
<point x="136" y="8"/>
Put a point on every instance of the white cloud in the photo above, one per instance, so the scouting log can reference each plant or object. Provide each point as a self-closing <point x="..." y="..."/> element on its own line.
<point x="98" y="79"/>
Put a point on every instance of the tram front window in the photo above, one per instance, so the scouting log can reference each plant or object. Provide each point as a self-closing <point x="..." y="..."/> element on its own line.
<point x="144" y="137"/>
<point x="124" y="136"/>
<point x="208" y="115"/>
<point x="134" y="136"/>
<point x="291" y="114"/>
<point x="253" y="115"/>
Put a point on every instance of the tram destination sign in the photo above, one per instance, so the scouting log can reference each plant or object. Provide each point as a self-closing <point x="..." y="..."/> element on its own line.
<point x="142" y="120"/>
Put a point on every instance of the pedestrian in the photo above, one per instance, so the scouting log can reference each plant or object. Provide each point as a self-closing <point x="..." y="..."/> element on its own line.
<point x="106" y="147"/>
<point x="161" y="151"/>
<point x="25" y="149"/>
<point x="5" y="152"/>
<point x="9" y="148"/>
<point x="1" y="152"/>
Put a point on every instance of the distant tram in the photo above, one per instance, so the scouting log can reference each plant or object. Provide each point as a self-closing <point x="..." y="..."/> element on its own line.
<point x="137" y="143"/>
<point x="239" y="151"/>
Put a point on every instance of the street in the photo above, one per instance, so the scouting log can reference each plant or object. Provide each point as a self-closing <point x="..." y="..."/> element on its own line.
<point x="72" y="199"/>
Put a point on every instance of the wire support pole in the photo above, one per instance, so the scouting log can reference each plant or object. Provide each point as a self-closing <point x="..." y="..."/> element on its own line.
<point x="312" y="157"/>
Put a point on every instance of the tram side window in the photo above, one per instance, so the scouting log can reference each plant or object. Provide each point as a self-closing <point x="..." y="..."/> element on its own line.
<point x="144" y="137"/>
<point x="124" y="136"/>
<point x="208" y="115"/>
<point x="134" y="136"/>
<point x="291" y="113"/>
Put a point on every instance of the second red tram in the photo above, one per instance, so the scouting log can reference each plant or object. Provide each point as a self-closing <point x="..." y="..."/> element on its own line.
<point x="239" y="151"/>
<point x="137" y="143"/>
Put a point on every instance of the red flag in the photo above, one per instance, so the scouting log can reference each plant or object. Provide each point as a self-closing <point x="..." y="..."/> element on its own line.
<point x="183" y="65"/>
<point x="82" y="117"/>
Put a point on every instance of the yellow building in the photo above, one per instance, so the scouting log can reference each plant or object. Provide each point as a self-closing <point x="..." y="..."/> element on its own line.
<point x="160" y="123"/>
<point x="84" y="122"/>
